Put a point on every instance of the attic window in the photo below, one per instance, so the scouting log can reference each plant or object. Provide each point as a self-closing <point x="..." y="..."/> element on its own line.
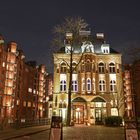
<point x="105" y="48"/>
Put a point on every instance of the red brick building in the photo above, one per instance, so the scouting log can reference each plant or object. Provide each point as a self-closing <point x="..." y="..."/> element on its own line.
<point x="134" y="71"/>
<point x="22" y="85"/>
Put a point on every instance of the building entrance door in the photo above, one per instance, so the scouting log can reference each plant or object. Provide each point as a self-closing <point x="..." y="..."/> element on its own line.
<point x="98" y="115"/>
<point x="78" y="114"/>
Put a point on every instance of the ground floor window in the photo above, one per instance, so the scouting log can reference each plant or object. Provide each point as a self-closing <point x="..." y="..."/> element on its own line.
<point x="114" y="112"/>
<point x="62" y="113"/>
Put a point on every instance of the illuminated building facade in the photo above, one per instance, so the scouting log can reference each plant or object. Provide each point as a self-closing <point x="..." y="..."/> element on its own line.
<point x="49" y="90"/>
<point x="22" y="86"/>
<point x="96" y="81"/>
<point x="131" y="90"/>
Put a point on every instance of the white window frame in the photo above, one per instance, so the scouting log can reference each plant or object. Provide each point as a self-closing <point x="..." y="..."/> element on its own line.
<point x="112" y="85"/>
<point x="102" y="85"/>
<point x="63" y="85"/>
<point x="112" y="67"/>
<point x="88" y="84"/>
<point x="101" y="67"/>
<point x="74" y="86"/>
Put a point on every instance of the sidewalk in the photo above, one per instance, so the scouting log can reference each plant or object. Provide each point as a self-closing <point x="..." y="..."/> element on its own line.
<point x="15" y="133"/>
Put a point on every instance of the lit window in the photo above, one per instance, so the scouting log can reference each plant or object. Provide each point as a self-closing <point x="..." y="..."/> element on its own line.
<point x="34" y="91"/>
<point x="17" y="102"/>
<point x="112" y="68"/>
<point x="63" y="85"/>
<point x="29" y="90"/>
<point x="101" y="67"/>
<point x="98" y="104"/>
<point x="3" y="64"/>
<point x="29" y="104"/>
<point x="24" y="103"/>
<point x="114" y="103"/>
<point x="74" y="86"/>
<point x="105" y="48"/>
<point x="114" y="112"/>
<point x="111" y="102"/>
<point x="102" y="85"/>
<point x="88" y="84"/>
<point x="112" y="85"/>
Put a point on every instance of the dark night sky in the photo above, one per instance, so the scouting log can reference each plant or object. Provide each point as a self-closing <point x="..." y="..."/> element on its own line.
<point x="30" y="23"/>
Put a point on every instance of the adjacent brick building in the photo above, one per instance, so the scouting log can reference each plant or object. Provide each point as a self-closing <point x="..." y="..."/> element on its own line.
<point x="134" y="87"/>
<point x="22" y="85"/>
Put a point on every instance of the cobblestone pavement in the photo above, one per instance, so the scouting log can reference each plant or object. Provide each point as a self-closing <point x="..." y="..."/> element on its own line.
<point x="82" y="132"/>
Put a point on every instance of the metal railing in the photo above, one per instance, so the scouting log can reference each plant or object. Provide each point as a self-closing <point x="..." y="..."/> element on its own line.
<point x="30" y="123"/>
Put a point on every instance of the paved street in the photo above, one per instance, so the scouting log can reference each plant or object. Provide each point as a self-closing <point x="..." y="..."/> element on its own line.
<point x="93" y="133"/>
<point x="9" y="134"/>
<point x="81" y="132"/>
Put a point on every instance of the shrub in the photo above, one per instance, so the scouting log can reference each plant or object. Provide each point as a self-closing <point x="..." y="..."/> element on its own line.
<point x="138" y="120"/>
<point x="113" y="121"/>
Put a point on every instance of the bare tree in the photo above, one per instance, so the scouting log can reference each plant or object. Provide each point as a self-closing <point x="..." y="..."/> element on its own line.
<point x="71" y="25"/>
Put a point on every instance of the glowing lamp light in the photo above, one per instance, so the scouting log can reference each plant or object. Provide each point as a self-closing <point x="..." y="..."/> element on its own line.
<point x="78" y="109"/>
<point x="88" y="124"/>
<point x="47" y="99"/>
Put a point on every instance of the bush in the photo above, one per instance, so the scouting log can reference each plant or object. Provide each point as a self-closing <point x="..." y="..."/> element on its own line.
<point x="113" y="121"/>
<point x="138" y="120"/>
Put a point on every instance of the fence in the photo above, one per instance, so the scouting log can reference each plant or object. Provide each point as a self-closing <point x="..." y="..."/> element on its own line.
<point x="30" y="123"/>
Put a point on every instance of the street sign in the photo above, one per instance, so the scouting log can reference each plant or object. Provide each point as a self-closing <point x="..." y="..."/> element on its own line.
<point x="131" y="132"/>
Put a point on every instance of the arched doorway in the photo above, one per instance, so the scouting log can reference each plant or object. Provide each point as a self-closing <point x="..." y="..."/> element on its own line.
<point x="98" y="109"/>
<point x="78" y="110"/>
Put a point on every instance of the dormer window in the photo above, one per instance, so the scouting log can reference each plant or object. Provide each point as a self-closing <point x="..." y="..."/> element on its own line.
<point x="87" y="47"/>
<point x="68" y="49"/>
<point x="105" y="48"/>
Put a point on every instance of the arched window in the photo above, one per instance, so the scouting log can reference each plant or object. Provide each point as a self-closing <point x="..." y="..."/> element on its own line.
<point x="112" y="68"/>
<point x="62" y="85"/>
<point x="112" y="85"/>
<point x="88" y="84"/>
<point x="102" y="85"/>
<point x="88" y="66"/>
<point x="83" y="84"/>
<point x="63" y="68"/>
<point x="74" y="86"/>
<point x="101" y="67"/>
